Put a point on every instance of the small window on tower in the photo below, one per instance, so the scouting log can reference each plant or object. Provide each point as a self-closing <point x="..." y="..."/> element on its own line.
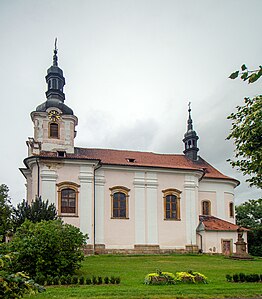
<point x="231" y="210"/>
<point x="53" y="130"/>
<point x="54" y="84"/>
<point x="61" y="154"/>
<point x="206" y="207"/>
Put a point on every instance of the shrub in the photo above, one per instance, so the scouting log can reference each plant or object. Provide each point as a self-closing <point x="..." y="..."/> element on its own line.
<point x="56" y="280"/>
<point x="99" y="280"/>
<point x="198" y="277"/>
<point x="74" y="280"/>
<point x="48" y="248"/>
<point x="242" y="277"/>
<point x="94" y="280"/>
<point x="15" y="285"/>
<point x="112" y="280"/>
<point x="160" y="278"/>
<point x="81" y="280"/>
<point x="40" y="279"/>
<point x="118" y="280"/>
<point x="184" y="277"/>
<point x="106" y="280"/>
<point x="49" y="280"/>
<point x="229" y="278"/>
<point x="235" y="277"/>
<point x="179" y="277"/>
<point x="88" y="280"/>
<point x="63" y="280"/>
<point x="255" y="278"/>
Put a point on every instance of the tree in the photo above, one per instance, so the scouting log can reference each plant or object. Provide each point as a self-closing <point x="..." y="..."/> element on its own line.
<point x="5" y="212"/>
<point x="247" y="75"/>
<point x="246" y="131"/>
<point x="38" y="210"/>
<point x="47" y="248"/>
<point x="249" y="214"/>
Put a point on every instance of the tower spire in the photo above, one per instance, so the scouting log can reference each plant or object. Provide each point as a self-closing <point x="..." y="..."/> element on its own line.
<point x="55" y="79"/>
<point x="55" y="58"/>
<point x="190" y="138"/>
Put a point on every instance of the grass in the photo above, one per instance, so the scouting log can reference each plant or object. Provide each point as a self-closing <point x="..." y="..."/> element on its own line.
<point x="133" y="269"/>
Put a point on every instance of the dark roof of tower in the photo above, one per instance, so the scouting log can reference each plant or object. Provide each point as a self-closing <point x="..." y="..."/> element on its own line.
<point x="53" y="102"/>
<point x="190" y="131"/>
<point x="55" y="95"/>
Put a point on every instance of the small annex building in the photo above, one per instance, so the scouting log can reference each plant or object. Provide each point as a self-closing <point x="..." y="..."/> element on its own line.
<point x="127" y="201"/>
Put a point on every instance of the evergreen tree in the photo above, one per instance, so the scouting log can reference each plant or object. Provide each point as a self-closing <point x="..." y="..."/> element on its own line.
<point x="37" y="211"/>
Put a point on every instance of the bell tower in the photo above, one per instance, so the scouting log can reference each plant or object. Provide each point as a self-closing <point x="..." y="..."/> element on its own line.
<point x="54" y="122"/>
<point x="190" y="138"/>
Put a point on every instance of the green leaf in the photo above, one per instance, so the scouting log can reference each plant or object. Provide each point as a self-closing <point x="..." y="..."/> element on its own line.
<point x="253" y="78"/>
<point x="243" y="67"/>
<point x="244" y="76"/>
<point x="234" y="75"/>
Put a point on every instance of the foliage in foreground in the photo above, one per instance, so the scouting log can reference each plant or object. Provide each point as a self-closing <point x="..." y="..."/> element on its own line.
<point x="179" y="277"/>
<point x="47" y="248"/>
<point x="249" y="214"/>
<point x="5" y="212"/>
<point x="246" y="131"/>
<point x="15" y="285"/>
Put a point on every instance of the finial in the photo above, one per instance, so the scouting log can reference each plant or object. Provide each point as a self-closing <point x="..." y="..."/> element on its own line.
<point x="189" y="122"/>
<point x="189" y="106"/>
<point x="55" y="44"/>
<point x="55" y="58"/>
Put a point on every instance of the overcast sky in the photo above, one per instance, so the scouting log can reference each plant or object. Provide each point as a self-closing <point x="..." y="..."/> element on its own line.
<point x="131" y="66"/>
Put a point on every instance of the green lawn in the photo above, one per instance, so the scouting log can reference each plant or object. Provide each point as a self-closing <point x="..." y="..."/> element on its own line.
<point x="132" y="270"/>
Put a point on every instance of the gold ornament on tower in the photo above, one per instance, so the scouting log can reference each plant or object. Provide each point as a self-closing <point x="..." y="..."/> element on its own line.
<point x="54" y="115"/>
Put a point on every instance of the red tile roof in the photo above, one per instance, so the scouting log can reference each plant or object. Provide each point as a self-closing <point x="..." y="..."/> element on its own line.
<point x="212" y="223"/>
<point x="143" y="159"/>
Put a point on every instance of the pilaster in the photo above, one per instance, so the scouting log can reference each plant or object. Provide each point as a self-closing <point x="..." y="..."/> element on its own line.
<point x="191" y="199"/>
<point x="100" y="207"/>
<point x="151" y="204"/>
<point x="48" y="185"/>
<point x="140" y="206"/>
<point x="86" y="178"/>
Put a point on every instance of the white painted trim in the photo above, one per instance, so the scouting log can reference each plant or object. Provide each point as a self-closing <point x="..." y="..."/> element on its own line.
<point x="86" y="197"/>
<point x="140" y="208"/>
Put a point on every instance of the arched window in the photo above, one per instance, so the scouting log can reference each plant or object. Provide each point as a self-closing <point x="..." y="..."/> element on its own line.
<point x="171" y="204"/>
<point x="119" y="202"/>
<point x="67" y="199"/>
<point x="53" y="130"/>
<point x="231" y="210"/>
<point x="206" y="207"/>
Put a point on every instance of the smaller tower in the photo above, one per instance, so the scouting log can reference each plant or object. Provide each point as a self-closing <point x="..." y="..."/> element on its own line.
<point x="55" y="80"/>
<point x="190" y="138"/>
<point x="54" y="122"/>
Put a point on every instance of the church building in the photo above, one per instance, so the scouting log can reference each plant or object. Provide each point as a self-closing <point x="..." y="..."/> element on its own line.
<point x="127" y="201"/>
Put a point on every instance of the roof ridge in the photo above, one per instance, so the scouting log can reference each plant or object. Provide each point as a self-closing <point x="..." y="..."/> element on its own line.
<point x="127" y="150"/>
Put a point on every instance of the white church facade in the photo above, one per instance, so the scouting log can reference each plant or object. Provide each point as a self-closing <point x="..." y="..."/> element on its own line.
<point x="127" y="201"/>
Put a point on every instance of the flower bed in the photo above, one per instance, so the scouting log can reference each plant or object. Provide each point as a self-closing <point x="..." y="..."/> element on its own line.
<point x="170" y="278"/>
